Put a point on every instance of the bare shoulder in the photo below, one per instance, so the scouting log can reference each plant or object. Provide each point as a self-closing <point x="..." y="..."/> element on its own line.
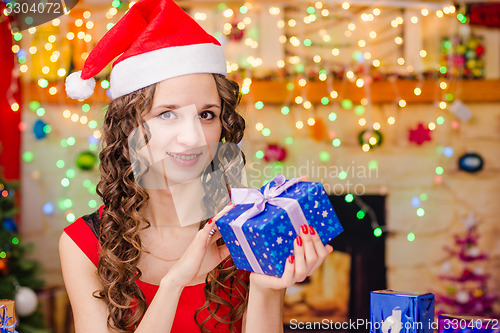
<point x="72" y="257"/>
<point x="81" y="280"/>
<point x="66" y="244"/>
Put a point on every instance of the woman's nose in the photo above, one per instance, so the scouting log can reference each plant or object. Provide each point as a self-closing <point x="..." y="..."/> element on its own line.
<point x="190" y="134"/>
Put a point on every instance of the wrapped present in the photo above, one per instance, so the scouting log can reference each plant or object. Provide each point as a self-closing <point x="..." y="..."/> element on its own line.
<point x="260" y="230"/>
<point x="7" y="319"/>
<point x="401" y="312"/>
<point x="448" y="323"/>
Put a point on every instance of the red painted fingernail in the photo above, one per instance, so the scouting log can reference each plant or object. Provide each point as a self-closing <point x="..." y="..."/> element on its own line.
<point x="211" y="220"/>
<point x="304" y="229"/>
<point x="299" y="241"/>
<point x="312" y="230"/>
<point x="290" y="259"/>
<point x="230" y="204"/>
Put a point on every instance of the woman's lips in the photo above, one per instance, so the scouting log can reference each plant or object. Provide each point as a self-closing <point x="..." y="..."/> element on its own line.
<point x="184" y="159"/>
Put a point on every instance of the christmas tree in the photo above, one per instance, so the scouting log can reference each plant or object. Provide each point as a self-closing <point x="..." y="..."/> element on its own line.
<point x="19" y="274"/>
<point x="467" y="292"/>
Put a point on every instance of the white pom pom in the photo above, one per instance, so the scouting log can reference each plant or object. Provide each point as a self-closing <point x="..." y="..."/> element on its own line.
<point x="77" y="88"/>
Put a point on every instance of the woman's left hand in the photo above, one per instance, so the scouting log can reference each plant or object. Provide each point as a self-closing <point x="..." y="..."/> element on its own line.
<point x="309" y="254"/>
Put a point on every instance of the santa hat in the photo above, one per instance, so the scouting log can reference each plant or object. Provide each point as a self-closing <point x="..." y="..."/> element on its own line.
<point x="157" y="40"/>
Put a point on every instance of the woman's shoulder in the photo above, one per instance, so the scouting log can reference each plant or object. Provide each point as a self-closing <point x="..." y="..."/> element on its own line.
<point x="93" y="221"/>
<point x="85" y="234"/>
<point x="90" y="221"/>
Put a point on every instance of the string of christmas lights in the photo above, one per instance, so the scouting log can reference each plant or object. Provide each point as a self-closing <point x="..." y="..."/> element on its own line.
<point x="305" y="32"/>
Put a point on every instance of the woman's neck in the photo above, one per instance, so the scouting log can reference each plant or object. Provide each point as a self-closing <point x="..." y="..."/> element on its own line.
<point x="177" y="207"/>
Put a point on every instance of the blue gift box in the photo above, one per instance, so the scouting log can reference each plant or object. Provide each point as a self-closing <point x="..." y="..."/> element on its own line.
<point x="259" y="231"/>
<point x="401" y="312"/>
<point x="467" y="324"/>
<point x="7" y="324"/>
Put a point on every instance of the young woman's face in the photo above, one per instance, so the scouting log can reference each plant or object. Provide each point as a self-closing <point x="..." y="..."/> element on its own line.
<point x="184" y="127"/>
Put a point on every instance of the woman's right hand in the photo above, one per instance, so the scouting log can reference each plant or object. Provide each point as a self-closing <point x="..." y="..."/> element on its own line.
<point x="202" y="255"/>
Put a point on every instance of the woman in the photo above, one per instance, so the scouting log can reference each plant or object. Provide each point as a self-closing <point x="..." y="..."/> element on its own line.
<point x="148" y="270"/>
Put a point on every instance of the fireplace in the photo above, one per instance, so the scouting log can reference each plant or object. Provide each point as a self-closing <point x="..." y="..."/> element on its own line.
<point x="359" y="255"/>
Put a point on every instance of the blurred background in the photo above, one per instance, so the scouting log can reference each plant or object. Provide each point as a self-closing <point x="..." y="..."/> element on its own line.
<point x="393" y="105"/>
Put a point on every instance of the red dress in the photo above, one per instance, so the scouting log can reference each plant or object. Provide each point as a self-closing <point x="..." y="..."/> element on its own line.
<point x="191" y="299"/>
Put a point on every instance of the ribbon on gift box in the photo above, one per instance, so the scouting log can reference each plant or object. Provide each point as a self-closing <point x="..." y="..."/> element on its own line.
<point x="270" y="196"/>
<point x="5" y="327"/>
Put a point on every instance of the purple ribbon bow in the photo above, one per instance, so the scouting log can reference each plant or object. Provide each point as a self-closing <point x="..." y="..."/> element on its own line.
<point x="271" y="196"/>
<point x="4" y="320"/>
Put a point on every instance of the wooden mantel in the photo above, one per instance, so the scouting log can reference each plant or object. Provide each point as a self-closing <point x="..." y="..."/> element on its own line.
<point x="275" y="92"/>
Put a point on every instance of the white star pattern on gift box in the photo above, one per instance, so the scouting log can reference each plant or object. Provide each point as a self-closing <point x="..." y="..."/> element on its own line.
<point x="274" y="240"/>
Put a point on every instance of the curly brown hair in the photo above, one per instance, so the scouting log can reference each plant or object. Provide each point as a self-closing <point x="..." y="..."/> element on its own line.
<point x="123" y="200"/>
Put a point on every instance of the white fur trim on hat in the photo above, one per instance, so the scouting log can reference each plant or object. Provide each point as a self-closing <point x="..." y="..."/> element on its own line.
<point x="151" y="67"/>
<point x="77" y="88"/>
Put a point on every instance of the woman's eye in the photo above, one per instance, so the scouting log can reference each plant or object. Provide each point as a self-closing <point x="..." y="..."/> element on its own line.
<point x="167" y="115"/>
<point x="208" y="115"/>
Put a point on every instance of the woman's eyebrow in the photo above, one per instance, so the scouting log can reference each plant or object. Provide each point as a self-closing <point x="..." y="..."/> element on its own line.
<point x="176" y="106"/>
<point x="209" y="106"/>
<point x="167" y="106"/>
